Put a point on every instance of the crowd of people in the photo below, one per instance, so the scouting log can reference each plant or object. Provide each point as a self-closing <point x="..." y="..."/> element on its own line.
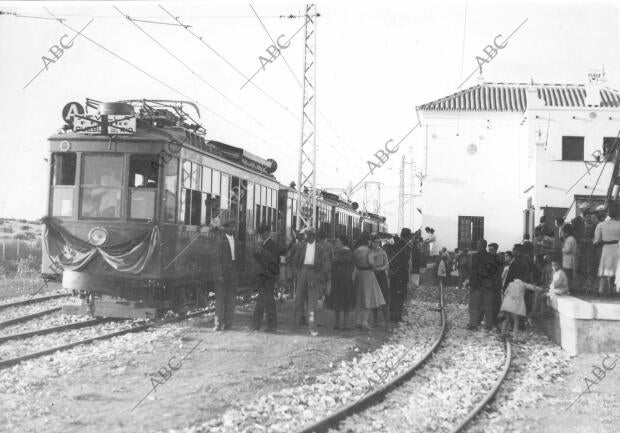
<point x="368" y="280"/>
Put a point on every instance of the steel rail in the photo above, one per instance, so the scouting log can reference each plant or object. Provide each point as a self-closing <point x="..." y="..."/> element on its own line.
<point x="44" y="331"/>
<point x="29" y="317"/>
<point x="476" y="410"/>
<point x="13" y="361"/>
<point x="333" y="419"/>
<point x="33" y="300"/>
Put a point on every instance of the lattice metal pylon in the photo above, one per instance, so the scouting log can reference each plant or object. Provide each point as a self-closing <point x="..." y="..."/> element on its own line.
<point x="306" y="186"/>
<point x="401" y="195"/>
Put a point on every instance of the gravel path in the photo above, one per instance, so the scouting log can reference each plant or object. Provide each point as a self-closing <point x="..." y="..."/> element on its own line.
<point x="48" y="321"/>
<point x="443" y="392"/>
<point x="24" y="310"/>
<point x="292" y="408"/>
<point x="15" y="348"/>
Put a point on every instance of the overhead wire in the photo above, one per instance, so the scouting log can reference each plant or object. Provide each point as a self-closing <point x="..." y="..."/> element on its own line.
<point x="160" y="81"/>
<point x="201" y="78"/>
<point x="301" y="86"/>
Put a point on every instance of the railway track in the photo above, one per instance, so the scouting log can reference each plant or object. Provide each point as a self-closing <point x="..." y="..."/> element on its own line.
<point x="5" y="363"/>
<point x="33" y="300"/>
<point x="341" y="419"/>
<point x="28" y="317"/>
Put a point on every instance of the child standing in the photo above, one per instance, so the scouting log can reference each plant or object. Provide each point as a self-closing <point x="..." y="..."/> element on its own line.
<point x="514" y="303"/>
<point x="442" y="269"/>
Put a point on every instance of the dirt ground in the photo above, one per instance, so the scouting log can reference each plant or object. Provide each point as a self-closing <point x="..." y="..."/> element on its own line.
<point x="220" y="370"/>
<point x="595" y="412"/>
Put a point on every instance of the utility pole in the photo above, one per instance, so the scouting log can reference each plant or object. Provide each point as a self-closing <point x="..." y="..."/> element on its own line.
<point x="412" y="191"/>
<point x="307" y="149"/>
<point x="378" y="202"/>
<point x="401" y="195"/>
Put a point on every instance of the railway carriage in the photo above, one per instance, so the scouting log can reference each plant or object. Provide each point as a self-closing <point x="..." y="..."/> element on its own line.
<point x="136" y="200"/>
<point x="134" y="216"/>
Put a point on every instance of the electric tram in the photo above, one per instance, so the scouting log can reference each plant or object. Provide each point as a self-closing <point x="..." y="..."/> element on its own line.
<point x="136" y="199"/>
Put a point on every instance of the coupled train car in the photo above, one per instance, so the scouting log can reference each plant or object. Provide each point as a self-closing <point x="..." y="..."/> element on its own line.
<point x="136" y="199"/>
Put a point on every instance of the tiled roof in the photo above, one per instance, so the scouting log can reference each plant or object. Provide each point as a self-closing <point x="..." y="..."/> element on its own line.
<point x="511" y="97"/>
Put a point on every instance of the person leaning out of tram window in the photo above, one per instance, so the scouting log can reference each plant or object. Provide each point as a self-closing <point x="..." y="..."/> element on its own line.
<point x="341" y="298"/>
<point x="226" y="284"/>
<point x="378" y="259"/>
<point x="314" y="266"/>
<point x="268" y="259"/>
<point x="569" y="254"/>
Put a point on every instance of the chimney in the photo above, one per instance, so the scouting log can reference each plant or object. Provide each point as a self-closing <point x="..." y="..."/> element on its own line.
<point x="596" y="82"/>
<point x="531" y="95"/>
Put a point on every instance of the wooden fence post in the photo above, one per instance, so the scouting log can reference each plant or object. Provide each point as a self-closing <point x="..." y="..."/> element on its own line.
<point x="3" y="247"/>
<point x="17" y="258"/>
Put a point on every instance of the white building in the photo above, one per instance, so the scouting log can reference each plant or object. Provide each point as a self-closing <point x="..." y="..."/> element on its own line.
<point x="500" y="155"/>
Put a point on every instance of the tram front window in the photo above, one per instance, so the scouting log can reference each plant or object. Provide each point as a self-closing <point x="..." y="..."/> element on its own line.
<point x="63" y="183"/>
<point x="101" y="186"/>
<point x="143" y="179"/>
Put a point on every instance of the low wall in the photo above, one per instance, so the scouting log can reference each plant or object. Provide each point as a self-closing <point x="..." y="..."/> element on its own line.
<point x="580" y="326"/>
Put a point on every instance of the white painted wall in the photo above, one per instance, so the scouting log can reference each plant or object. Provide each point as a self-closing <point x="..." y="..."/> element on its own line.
<point x="511" y="158"/>
<point x="488" y="183"/>
<point x="558" y="175"/>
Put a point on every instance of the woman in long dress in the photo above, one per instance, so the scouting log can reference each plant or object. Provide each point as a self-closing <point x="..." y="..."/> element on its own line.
<point x="342" y="296"/>
<point x="378" y="258"/>
<point x="607" y="233"/>
<point x="367" y="290"/>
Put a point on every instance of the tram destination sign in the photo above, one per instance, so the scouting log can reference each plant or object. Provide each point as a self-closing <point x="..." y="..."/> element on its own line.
<point x="104" y="124"/>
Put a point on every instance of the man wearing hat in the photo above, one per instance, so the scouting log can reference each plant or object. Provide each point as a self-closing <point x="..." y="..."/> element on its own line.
<point x="400" y="265"/>
<point x="313" y="262"/>
<point x="268" y="259"/>
<point x="229" y="257"/>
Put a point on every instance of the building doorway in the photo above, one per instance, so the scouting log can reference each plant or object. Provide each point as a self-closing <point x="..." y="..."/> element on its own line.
<point x="471" y="230"/>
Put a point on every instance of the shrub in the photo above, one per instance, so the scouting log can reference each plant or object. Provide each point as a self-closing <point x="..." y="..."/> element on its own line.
<point x="7" y="229"/>
<point x="28" y="267"/>
<point x="8" y="268"/>
<point x="25" y="236"/>
<point x="25" y="228"/>
<point x="22" y="221"/>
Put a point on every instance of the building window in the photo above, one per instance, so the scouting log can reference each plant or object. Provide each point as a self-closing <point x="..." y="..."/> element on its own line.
<point x="609" y="147"/>
<point x="63" y="182"/>
<point x="572" y="148"/>
<point x="471" y="230"/>
<point x="101" y="186"/>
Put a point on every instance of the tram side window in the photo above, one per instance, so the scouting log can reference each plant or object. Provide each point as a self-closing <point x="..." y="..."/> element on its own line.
<point x="250" y="206"/>
<point x="143" y="180"/>
<point x="191" y="196"/>
<point x="101" y="186"/>
<point x="63" y="183"/>
<point x="171" y="181"/>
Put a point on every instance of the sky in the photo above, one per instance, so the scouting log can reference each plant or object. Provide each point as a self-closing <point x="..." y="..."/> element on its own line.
<point x="376" y="61"/>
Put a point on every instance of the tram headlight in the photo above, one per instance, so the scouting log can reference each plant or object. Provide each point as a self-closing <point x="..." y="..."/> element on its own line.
<point x="97" y="236"/>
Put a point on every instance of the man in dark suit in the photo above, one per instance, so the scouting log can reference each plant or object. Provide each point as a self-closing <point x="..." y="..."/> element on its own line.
<point x="268" y="259"/>
<point x="314" y="263"/>
<point x="399" y="255"/>
<point x="484" y="277"/>
<point x="226" y="284"/>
